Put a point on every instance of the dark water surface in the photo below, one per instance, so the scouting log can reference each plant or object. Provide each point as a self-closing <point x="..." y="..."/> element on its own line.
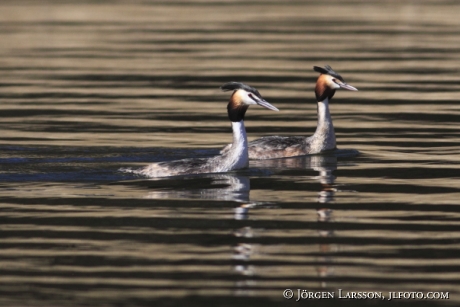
<point x="89" y="87"/>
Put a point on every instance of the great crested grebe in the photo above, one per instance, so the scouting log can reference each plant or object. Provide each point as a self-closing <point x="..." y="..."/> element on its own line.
<point x="235" y="158"/>
<point x="271" y="147"/>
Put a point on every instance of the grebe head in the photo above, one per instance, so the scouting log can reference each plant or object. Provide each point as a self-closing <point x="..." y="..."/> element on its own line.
<point x="243" y="96"/>
<point x="328" y="82"/>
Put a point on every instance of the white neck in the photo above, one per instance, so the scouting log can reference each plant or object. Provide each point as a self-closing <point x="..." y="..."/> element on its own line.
<point x="238" y="156"/>
<point x="324" y="137"/>
<point x="239" y="133"/>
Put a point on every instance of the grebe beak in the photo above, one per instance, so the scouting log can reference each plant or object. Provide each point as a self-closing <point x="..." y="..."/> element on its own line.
<point x="263" y="103"/>
<point x="348" y="87"/>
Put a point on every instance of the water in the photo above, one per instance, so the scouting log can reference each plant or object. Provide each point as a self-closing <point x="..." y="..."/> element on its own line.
<point x="90" y="87"/>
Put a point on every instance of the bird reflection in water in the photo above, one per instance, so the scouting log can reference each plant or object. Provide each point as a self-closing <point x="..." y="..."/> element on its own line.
<point x="236" y="187"/>
<point x="325" y="215"/>
<point x="325" y="165"/>
<point x="224" y="187"/>
<point x="227" y="187"/>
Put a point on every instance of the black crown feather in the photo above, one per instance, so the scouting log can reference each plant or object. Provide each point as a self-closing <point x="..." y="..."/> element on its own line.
<point x="327" y="70"/>
<point x="233" y="86"/>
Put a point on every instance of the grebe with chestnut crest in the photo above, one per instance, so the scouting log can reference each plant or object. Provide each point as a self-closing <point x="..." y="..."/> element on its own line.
<point x="271" y="147"/>
<point x="235" y="158"/>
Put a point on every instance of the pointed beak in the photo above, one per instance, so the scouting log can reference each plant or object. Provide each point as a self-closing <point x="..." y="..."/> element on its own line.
<point x="348" y="87"/>
<point x="265" y="104"/>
